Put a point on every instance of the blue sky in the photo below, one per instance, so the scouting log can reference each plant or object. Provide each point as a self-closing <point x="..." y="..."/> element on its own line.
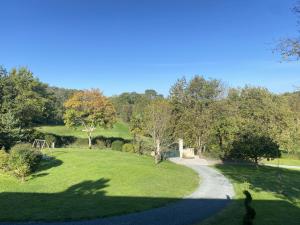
<point x="133" y="45"/>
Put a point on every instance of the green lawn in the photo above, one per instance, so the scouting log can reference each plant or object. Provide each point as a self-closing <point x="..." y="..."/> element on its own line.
<point x="275" y="192"/>
<point x="283" y="161"/>
<point x="120" y="130"/>
<point x="85" y="184"/>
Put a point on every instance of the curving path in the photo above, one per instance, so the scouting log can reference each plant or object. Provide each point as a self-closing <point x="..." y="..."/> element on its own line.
<point x="212" y="195"/>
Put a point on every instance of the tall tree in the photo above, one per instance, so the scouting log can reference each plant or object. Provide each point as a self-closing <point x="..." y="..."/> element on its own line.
<point x="157" y="118"/>
<point x="25" y="97"/>
<point x="89" y="109"/>
<point x="191" y="109"/>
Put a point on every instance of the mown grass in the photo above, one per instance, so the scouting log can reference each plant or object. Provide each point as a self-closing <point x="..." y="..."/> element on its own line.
<point x="283" y="162"/>
<point x="86" y="184"/>
<point x="275" y="192"/>
<point x="120" y="130"/>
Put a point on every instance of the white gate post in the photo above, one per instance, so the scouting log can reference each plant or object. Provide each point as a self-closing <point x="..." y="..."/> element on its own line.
<point x="180" y="141"/>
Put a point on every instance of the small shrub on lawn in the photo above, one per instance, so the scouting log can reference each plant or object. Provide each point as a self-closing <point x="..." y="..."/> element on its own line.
<point x="23" y="160"/>
<point x="128" y="148"/>
<point x="117" y="145"/>
<point x="3" y="159"/>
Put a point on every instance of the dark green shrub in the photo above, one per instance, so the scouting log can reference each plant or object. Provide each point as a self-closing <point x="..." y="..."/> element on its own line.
<point x="23" y="160"/>
<point x="3" y="159"/>
<point x="252" y="148"/>
<point x="99" y="144"/>
<point x="49" y="138"/>
<point x="80" y="143"/>
<point x="117" y="145"/>
<point x="29" y="135"/>
<point x="128" y="148"/>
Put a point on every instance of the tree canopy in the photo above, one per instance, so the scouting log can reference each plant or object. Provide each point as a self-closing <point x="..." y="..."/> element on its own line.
<point x="89" y="108"/>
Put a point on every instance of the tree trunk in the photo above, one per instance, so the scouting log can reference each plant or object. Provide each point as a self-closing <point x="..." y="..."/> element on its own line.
<point x="90" y="142"/>
<point x="157" y="155"/>
<point x="157" y="146"/>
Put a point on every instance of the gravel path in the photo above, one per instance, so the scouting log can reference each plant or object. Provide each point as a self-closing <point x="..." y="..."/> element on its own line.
<point x="212" y="195"/>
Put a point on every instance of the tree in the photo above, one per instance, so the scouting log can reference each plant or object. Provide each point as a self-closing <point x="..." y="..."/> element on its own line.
<point x="129" y="104"/>
<point x="24" y="102"/>
<point x="157" y="118"/>
<point x="265" y="124"/>
<point x="289" y="48"/>
<point x="191" y="109"/>
<point x="137" y="130"/>
<point x="58" y="97"/>
<point x="90" y="109"/>
<point x="25" y="97"/>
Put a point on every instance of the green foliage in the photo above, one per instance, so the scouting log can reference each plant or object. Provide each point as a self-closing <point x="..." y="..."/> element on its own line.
<point x="59" y="97"/>
<point x="90" y="109"/>
<point x="49" y="138"/>
<point x="129" y="104"/>
<point x="239" y="125"/>
<point x="99" y="143"/>
<point x="117" y="145"/>
<point x="192" y="109"/>
<point x="23" y="160"/>
<point x="3" y="159"/>
<point x="25" y="96"/>
<point x="128" y="148"/>
<point x="252" y="147"/>
<point x="157" y="118"/>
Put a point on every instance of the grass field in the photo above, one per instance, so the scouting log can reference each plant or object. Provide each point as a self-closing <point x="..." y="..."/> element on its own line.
<point x="85" y="184"/>
<point x="285" y="162"/>
<point x="120" y="130"/>
<point x="275" y="192"/>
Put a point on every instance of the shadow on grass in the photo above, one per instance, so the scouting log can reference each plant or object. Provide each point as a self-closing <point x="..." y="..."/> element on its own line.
<point x="46" y="164"/>
<point x="89" y="200"/>
<point x="283" y="183"/>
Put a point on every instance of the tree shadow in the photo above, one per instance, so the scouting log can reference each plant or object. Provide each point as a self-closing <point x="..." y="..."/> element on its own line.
<point x="89" y="200"/>
<point x="47" y="163"/>
<point x="284" y="183"/>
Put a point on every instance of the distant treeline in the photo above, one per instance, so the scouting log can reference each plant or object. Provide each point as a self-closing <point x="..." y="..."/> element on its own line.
<point x="223" y="121"/>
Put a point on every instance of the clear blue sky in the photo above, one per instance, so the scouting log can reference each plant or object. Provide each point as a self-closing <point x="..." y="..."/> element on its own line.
<point x="127" y="45"/>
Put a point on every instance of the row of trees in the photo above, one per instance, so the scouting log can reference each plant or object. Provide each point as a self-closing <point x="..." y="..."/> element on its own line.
<point x="25" y="102"/>
<point x="247" y="123"/>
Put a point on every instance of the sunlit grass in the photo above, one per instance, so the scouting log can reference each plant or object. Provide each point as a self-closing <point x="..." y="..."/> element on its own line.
<point x="85" y="184"/>
<point x="120" y="130"/>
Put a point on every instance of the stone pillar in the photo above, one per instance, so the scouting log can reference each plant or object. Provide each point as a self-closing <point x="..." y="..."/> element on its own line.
<point x="180" y="142"/>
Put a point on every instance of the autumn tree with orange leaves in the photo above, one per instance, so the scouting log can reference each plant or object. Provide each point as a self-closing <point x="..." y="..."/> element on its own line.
<point x="90" y="109"/>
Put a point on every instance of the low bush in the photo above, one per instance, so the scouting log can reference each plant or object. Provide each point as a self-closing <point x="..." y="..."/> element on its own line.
<point x="3" y="159"/>
<point x="117" y="145"/>
<point x="128" y="148"/>
<point x="23" y="160"/>
<point x="99" y="144"/>
<point x="80" y="143"/>
<point x="49" y="138"/>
